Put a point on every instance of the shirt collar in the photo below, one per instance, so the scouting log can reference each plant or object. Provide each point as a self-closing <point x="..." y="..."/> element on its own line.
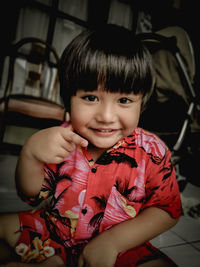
<point x="127" y="142"/>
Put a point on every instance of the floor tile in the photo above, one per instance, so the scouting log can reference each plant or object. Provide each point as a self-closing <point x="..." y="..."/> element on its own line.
<point x="196" y="245"/>
<point x="7" y="171"/>
<point x="183" y="255"/>
<point x="188" y="229"/>
<point x="192" y="191"/>
<point x="10" y="202"/>
<point x="167" y="239"/>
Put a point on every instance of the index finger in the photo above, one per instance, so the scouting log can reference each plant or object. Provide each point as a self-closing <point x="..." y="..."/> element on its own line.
<point x="78" y="140"/>
<point x="73" y="137"/>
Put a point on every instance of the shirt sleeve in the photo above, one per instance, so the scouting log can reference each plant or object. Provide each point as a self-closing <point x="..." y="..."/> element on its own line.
<point x="162" y="189"/>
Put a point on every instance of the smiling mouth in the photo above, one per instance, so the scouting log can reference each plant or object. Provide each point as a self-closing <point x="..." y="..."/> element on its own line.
<point x="104" y="132"/>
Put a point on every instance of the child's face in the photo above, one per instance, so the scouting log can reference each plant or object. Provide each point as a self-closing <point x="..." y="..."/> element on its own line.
<point x="104" y="118"/>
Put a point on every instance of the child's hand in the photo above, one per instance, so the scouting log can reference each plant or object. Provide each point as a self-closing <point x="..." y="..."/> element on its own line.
<point x="52" y="145"/>
<point x="99" y="252"/>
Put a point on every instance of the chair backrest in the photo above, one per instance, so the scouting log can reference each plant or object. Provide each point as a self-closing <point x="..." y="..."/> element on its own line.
<point x="33" y="69"/>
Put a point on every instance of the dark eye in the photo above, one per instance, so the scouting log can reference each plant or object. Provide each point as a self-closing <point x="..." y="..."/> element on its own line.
<point x="124" y="100"/>
<point x="90" y="98"/>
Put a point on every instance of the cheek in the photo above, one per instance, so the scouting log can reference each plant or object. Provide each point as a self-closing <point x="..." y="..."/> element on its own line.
<point x="75" y="113"/>
<point x="75" y="118"/>
<point x="131" y="119"/>
<point x="78" y="119"/>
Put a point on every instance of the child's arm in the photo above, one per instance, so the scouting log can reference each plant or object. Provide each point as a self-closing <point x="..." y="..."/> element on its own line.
<point x="103" y="250"/>
<point x="50" y="145"/>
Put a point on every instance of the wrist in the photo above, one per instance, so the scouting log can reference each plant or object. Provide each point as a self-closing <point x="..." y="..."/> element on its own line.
<point x="111" y="239"/>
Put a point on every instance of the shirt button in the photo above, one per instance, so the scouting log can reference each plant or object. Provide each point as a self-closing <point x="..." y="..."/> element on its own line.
<point x="84" y="211"/>
<point x="94" y="169"/>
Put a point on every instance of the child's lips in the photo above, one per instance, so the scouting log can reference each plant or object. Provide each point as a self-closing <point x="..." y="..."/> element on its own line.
<point x="104" y="132"/>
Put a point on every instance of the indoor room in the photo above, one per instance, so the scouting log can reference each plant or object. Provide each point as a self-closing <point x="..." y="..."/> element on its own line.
<point x="34" y="36"/>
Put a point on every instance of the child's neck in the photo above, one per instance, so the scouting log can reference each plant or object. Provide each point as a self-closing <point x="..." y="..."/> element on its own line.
<point x="95" y="152"/>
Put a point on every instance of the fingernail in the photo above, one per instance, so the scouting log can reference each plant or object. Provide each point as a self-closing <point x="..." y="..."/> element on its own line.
<point x="84" y="143"/>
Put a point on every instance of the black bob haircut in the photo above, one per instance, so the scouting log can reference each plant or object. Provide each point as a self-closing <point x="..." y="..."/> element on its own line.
<point x="111" y="57"/>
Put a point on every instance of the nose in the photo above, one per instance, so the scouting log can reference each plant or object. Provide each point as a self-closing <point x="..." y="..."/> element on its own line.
<point x="106" y="113"/>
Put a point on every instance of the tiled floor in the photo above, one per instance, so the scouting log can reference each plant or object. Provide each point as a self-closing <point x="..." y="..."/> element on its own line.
<point x="181" y="243"/>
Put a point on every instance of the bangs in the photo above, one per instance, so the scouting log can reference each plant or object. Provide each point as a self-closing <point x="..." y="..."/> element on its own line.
<point x="114" y="73"/>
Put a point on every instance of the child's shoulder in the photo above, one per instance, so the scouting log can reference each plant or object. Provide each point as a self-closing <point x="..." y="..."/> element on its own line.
<point x="148" y="140"/>
<point x="143" y="134"/>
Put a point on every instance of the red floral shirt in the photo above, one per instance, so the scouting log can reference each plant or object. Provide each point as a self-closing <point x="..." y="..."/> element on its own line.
<point x="89" y="197"/>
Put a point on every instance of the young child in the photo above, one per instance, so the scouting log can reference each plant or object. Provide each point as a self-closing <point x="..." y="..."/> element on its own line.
<point x="110" y="185"/>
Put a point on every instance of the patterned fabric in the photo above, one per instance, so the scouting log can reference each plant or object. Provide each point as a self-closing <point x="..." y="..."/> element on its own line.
<point x="87" y="198"/>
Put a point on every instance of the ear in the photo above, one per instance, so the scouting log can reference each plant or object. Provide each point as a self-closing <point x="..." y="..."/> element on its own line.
<point x="67" y="116"/>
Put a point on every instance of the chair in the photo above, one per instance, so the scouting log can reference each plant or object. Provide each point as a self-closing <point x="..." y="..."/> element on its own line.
<point x="31" y="96"/>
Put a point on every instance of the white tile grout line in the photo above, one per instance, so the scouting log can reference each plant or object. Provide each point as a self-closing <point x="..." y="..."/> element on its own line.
<point x="181" y="244"/>
<point x="185" y="241"/>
